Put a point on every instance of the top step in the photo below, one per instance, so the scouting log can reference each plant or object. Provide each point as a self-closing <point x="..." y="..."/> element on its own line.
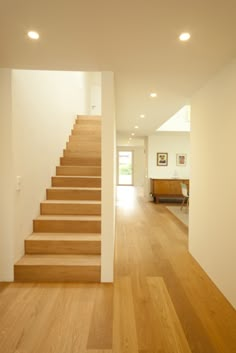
<point x="92" y="117"/>
<point x="88" y="117"/>
<point x="93" y="120"/>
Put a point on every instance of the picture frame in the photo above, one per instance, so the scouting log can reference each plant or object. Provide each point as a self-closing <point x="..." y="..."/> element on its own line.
<point x="181" y="159"/>
<point x="162" y="159"/>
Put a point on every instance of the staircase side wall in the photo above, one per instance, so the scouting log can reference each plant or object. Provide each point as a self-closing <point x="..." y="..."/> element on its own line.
<point x="6" y="179"/>
<point x="44" y="107"/>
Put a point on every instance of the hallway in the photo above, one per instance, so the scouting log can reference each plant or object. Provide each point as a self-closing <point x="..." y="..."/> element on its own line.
<point x="169" y="299"/>
<point x="161" y="302"/>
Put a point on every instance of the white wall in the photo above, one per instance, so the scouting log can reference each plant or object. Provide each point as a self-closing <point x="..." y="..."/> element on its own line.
<point x="171" y="143"/>
<point x="138" y="163"/>
<point x="212" y="232"/>
<point x="6" y="179"/>
<point x="44" y="107"/>
<point x="93" y="85"/>
<point x="108" y="176"/>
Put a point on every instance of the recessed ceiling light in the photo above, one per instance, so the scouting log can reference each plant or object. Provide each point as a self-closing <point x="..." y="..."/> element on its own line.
<point x="153" y="94"/>
<point x="142" y="116"/>
<point x="33" y="35"/>
<point x="130" y="138"/>
<point x="132" y="134"/>
<point x="184" y="36"/>
<point x="136" y="127"/>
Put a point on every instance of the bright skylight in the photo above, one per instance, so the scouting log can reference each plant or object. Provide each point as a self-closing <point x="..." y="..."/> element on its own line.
<point x="180" y="121"/>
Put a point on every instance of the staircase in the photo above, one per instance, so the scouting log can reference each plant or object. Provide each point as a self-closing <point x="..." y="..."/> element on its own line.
<point x="66" y="242"/>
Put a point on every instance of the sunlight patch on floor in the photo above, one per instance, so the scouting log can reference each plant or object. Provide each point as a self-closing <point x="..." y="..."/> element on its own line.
<point x="125" y="197"/>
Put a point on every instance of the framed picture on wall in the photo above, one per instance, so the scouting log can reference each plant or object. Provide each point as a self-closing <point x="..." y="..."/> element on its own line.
<point x="181" y="159"/>
<point x="162" y="159"/>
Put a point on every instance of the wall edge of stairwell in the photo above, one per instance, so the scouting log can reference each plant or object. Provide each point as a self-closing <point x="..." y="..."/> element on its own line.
<point x="108" y="177"/>
<point x="7" y="215"/>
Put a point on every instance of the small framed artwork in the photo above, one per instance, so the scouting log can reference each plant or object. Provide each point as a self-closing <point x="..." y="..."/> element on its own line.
<point x="181" y="159"/>
<point x="162" y="159"/>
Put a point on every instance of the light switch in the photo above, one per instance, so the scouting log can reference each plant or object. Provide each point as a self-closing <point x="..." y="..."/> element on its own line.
<point x="18" y="183"/>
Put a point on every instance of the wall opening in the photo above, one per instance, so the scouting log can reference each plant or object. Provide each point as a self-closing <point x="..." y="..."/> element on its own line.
<point x="125" y="168"/>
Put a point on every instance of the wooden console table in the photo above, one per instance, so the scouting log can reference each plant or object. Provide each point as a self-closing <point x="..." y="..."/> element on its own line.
<point x="167" y="189"/>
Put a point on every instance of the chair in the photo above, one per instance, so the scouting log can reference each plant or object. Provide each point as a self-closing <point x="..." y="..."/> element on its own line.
<point x="185" y="194"/>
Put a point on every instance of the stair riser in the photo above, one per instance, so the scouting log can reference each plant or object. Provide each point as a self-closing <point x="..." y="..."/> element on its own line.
<point x="63" y="247"/>
<point x="80" y="161"/>
<point x="80" y="171"/>
<point x="88" y="122"/>
<point x="87" y="127"/>
<point x="47" y="273"/>
<point x="85" y="138"/>
<point x="76" y="182"/>
<point x="86" y="133"/>
<point x="70" y="209"/>
<point x="74" y="195"/>
<point x="88" y="117"/>
<point x="66" y="226"/>
<point x="87" y="146"/>
<point x="88" y="155"/>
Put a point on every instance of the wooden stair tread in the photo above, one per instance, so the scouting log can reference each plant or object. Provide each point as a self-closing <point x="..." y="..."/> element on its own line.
<point x="77" y="176"/>
<point x="59" y="260"/>
<point x="65" y="237"/>
<point x="74" y="202"/>
<point x="68" y="218"/>
<point x="81" y="166"/>
<point x="73" y="188"/>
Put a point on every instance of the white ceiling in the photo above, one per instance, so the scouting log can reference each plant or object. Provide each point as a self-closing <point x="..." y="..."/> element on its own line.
<point x="136" y="39"/>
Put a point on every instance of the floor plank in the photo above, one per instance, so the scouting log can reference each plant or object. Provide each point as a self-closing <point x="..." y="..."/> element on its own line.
<point x="124" y="328"/>
<point x="100" y="333"/>
<point x="167" y="320"/>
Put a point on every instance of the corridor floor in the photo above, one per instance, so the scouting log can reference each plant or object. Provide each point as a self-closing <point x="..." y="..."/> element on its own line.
<point x="161" y="300"/>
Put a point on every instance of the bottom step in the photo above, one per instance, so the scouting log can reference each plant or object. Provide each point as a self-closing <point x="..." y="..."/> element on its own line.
<point x="58" y="268"/>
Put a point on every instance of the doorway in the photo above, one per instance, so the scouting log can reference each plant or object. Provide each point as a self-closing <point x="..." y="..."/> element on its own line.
<point x="125" y="168"/>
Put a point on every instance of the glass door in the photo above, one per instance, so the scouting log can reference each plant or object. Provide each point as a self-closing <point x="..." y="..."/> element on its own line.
<point x="125" y="168"/>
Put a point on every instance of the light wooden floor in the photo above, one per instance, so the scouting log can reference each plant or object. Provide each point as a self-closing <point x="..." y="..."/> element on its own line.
<point x="161" y="301"/>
